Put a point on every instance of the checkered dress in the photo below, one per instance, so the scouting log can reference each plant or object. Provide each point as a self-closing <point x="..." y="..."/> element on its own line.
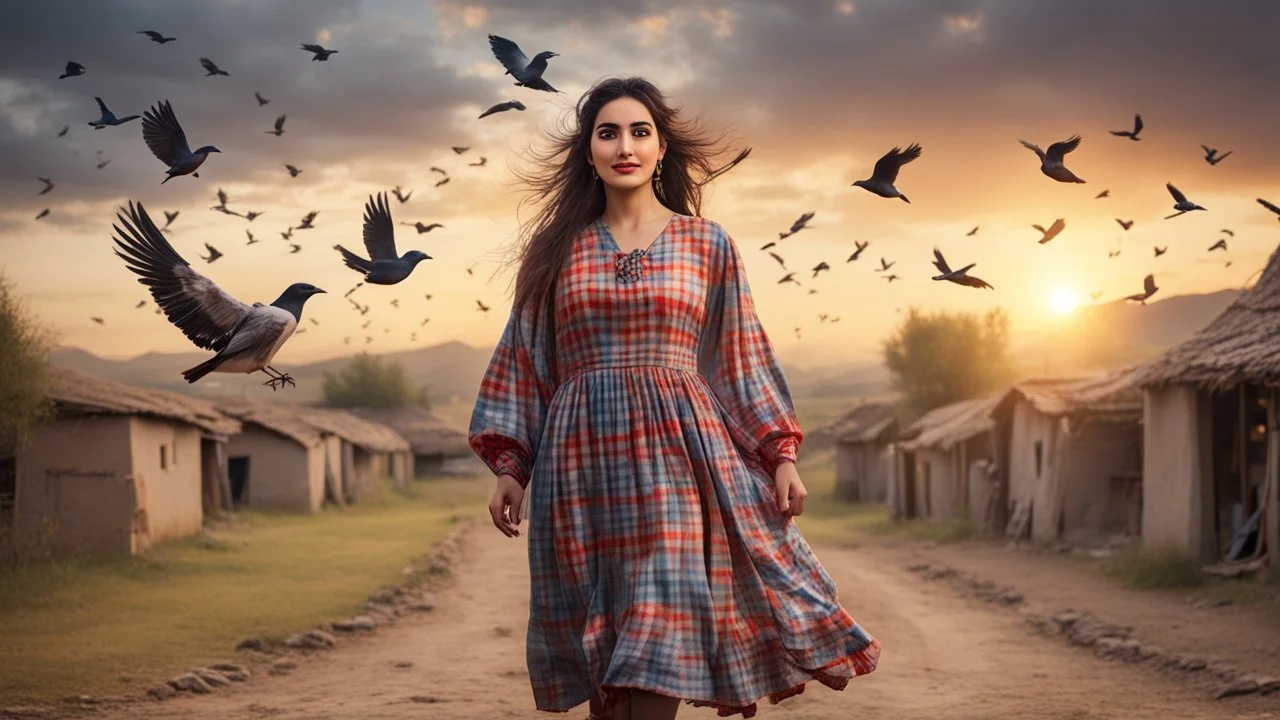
<point x="657" y="556"/>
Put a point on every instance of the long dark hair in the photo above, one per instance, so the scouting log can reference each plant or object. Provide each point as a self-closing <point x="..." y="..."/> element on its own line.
<point x="573" y="198"/>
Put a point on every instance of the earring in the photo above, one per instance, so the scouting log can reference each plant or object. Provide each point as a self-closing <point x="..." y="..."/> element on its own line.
<point x="594" y="176"/>
<point x="657" y="171"/>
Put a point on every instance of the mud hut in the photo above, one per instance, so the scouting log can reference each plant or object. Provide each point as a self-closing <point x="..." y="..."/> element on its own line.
<point x="433" y="440"/>
<point x="864" y="459"/>
<point x="278" y="461"/>
<point x="117" y="468"/>
<point x="1212" y="444"/>
<point x="1069" y="457"/>
<point x="366" y="452"/>
<point x="942" y="464"/>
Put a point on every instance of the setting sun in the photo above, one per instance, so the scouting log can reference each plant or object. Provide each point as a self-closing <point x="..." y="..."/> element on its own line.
<point x="1063" y="300"/>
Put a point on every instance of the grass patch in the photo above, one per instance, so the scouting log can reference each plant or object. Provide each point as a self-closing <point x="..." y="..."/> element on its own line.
<point x="83" y="626"/>
<point x="1154" y="569"/>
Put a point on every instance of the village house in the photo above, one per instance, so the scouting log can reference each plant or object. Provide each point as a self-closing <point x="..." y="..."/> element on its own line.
<point x="278" y="461"/>
<point x="1211" y="471"/>
<point x="942" y="465"/>
<point x="362" y="450"/>
<point x="1069" y="458"/>
<point x="116" y="469"/>
<point x="863" y="455"/>
<point x="434" y="441"/>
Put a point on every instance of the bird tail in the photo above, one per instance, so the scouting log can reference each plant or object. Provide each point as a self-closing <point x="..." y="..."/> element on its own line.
<point x="904" y="199"/>
<point x="353" y="261"/>
<point x="193" y="374"/>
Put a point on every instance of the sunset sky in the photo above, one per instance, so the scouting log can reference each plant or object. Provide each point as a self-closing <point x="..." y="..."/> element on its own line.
<point x="818" y="89"/>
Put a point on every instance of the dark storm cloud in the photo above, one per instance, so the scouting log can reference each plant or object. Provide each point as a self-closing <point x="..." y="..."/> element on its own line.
<point x="384" y="92"/>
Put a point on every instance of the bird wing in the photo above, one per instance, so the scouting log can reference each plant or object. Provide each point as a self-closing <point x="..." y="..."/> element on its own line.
<point x="1057" y="227"/>
<point x="1269" y="206"/>
<point x="940" y="262"/>
<point x="204" y="312"/>
<point x="379" y="232"/>
<point x="1176" y="193"/>
<point x="1033" y="147"/>
<point x="1137" y="123"/>
<point x="312" y="47"/>
<point x="208" y="65"/>
<point x="151" y="34"/>
<point x="887" y="166"/>
<point x="260" y="329"/>
<point x="1149" y="284"/>
<point x="972" y="281"/>
<point x="163" y="134"/>
<point x="509" y="54"/>
<point x="1058" y="149"/>
<point x="103" y="107"/>
<point x="280" y="122"/>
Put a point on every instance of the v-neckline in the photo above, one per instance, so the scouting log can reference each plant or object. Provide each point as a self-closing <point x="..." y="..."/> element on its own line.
<point x="604" y="226"/>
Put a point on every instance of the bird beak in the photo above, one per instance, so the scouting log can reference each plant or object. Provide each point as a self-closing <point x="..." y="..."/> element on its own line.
<point x="318" y="290"/>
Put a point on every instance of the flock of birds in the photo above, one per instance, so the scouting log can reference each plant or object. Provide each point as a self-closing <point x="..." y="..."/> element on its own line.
<point x="884" y="177"/>
<point x="246" y="337"/>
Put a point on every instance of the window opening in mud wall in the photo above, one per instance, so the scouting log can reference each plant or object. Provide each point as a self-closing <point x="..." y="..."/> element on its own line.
<point x="1039" y="457"/>
<point x="164" y="460"/>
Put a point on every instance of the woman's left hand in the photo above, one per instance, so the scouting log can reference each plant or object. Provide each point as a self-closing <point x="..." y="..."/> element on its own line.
<point x="790" y="491"/>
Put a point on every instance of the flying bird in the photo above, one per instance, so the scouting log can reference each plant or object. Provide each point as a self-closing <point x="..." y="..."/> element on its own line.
<point x="222" y="200"/>
<point x="43" y="213"/>
<point x="1212" y="157"/>
<point x="1228" y="231"/>
<point x="1181" y="203"/>
<point x="156" y="37"/>
<point x="1057" y="227"/>
<point x="1051" y="162"/>
<point x="885" y="265"/>
<point x="778" y="257"/>
<point x="252" y="215"/>
<point x="1126" y="224"/>
<point x="458" y="150"/>
<point x="1149" y="289"/>
<point x="287" y="234"/>
<point x="885" y="172"/>
<point x="1114" y="254"/>
<point x="1273" y="208"/>
<point x="1104" y="193"/>
<point x="261" y="100"/>
<point x="319" y="53"/>
<point x="435" y="169"/>
<point x="357" y="287"/>
<point x="252" y="239"/>
<point x="141" y="304"/>
<point x="279" y="129"/>
<point x="395" y="302"/>
<point x="108" y="117"/>
<point x="442" y="182"/>
<point x="423" y="228"/>
<point x="797" y="226"/>
<point x="105" y="163"/>
<point x="480" y="163"/>
<point x="294" y="248"/>
<point x="48" y="185"/>
<point x="482" y="307"/>
<point x="502" y="107"/>
<point x="959" y="276"/>
<point x="472" y="267"/>
<point x="858" y="248"/>
<point x="169" y="217"/>
<point x="403" y="198"/>
<point x="820" y="267"/>
<point x="73" y="69"/>
<point x="1131" y="134"/>
<point x="789" y="277"/>
<point x="244" y="337"/>
<point x="527" y="73"/>
<point x="383" y="267"/>
<point x="972" y="232"/>
<point x="890" y="278"/>
<point x="1160" y="250"/>
<point x="63" y="131"/>
<point x="163" y="134"/>
<point x="768" y="245"/>
<point x="293" y="171"/>
<point x="307" y="220"/>
<point x="211" y="68"/>
<point x="98" y="320"/>
<point x="213" y="253"/>
<point x="1220" y="245"/>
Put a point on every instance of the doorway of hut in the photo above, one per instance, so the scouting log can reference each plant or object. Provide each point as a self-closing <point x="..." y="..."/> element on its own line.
<point x="238" y="475"/>
<point x="8" y="491"/>
<point x="1239" y="458"/>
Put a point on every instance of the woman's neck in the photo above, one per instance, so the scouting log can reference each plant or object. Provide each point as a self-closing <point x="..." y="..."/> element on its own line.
<point x="632" y="208"/>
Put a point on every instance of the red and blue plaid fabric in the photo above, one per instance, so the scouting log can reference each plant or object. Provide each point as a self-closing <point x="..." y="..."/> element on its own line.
<point x="657" y="556"/>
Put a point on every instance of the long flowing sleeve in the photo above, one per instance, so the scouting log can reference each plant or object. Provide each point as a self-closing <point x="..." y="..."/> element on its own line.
<point x="738" y="361"/>
<point x="511" y="409"/>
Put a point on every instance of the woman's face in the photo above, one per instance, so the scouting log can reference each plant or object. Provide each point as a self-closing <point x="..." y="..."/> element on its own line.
<point x="625" y="146"/>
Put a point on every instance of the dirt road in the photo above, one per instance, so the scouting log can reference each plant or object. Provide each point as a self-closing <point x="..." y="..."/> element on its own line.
<point x="945" y="656"/>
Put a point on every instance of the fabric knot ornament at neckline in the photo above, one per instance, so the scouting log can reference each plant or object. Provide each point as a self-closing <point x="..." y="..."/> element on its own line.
<point x="630" y="265"/>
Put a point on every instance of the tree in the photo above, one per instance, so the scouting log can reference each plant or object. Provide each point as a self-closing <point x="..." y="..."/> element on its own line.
<point x="24" y="371"/>
<point x="369" y="381"/>
<point x="943" y="357"/>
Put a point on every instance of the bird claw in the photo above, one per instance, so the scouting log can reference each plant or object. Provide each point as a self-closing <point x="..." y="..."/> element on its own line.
<point x="283" y="380"/>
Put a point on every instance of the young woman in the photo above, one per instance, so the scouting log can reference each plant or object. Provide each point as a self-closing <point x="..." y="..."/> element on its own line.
<point x="635" y="401"/>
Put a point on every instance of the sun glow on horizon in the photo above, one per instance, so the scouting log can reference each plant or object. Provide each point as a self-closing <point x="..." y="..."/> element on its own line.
<point x="1063" y="300"/>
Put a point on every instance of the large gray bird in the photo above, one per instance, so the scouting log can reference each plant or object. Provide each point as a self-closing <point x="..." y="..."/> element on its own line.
<point x="502" y="107"/>
<point x="108" y="117"/>
<point x="383" y="267"/>
<point x="318" y="52"/>
<point x="1180" y="202"/>
<point x="1051" y="162"/>
<point x="886" y="172"/>
<point x="279" y="129"/>
<point x="163" y="134"/>
<point x="211" y="68"/>
<point x="959" y="276"/>
<point x="528" y="73"/>
<point x="245" y="337"/>
<point x="156" y="37"/>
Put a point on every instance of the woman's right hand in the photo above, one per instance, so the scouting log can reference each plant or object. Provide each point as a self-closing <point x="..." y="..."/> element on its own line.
<point x="504" y="506"/>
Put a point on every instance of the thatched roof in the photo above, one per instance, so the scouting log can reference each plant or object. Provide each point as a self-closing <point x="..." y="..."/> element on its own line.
<point x="372" y="436"/>
<point x="76" y="392"/>
<point x="1239" y="346"/>
<point x="1111" y="396"/>
<point x="427" y="433"/>
<point x="280" y="418"/>
<point x="950" y="425"/>
<point x="868" y="422"/>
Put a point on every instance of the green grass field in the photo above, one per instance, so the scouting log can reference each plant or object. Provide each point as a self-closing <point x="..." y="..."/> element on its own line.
<point x="100" y="627"/>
